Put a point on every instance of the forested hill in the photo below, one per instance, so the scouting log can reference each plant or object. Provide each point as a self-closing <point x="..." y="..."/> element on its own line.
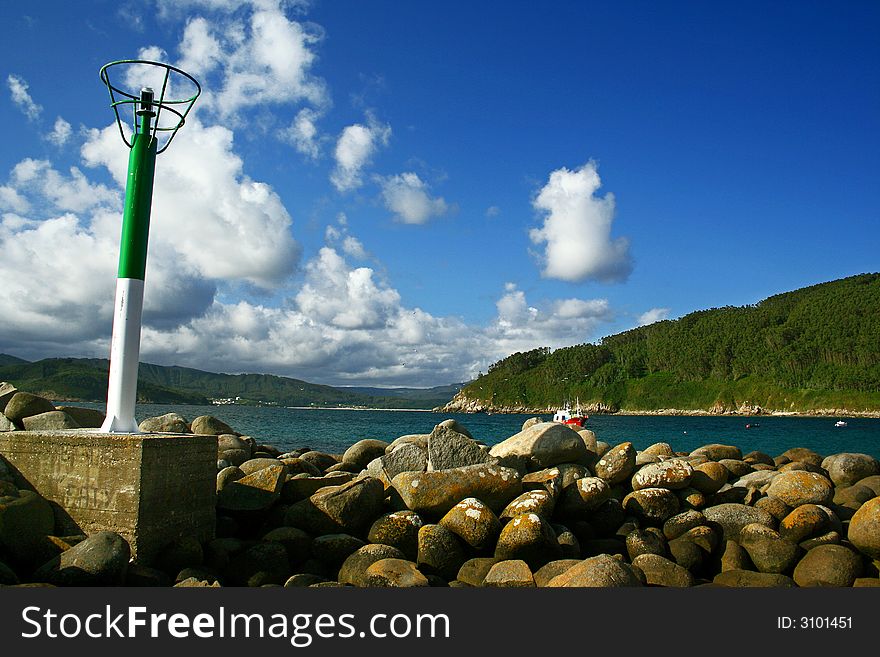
<point x="812" y="349"/>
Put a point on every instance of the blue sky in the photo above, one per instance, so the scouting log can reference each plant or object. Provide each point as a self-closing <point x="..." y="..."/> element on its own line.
<point x="398" y="193"/>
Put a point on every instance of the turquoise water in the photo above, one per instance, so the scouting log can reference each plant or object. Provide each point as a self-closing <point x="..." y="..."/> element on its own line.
<point x="334" y="430"/>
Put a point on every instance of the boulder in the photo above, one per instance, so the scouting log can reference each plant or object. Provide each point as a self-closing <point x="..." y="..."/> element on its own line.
<point x="709" y="477"/>
<point x="6" y="424"/>
<point x="546" y="573"/>
<point x="717" y="452"/>
<point x="320" y="460"/>
<point x="49" y="421"/>
<point x="449" y="449"/>
<point x="251" y="466"/>
<point x="185" y="552"/>
<point x="653" y="505"/>
<point x="7" y="391"/>
<point x="645" y="541"/>
<point x="768" y="550"/>
<point x="542" y="446"/>
<point x="260" y="564"/>
<point x="456" y="426"/>
<point x="354" y="569"/>
<point x="672" y="474"/>
<point x="733" y="517"/>
<point x="660" y="571"/>
<point x="407" y="457"/>
<point x="532" y="421"/>
<point x="847" y="469"/>
<point x="584" y="496"/>
<point x="333" y="549"/>
<point x="87" y="418"/>
<point x="301" y="580"/>
<point x="26" y="519"/>
<point x="297" y="543"/>
<point x="228" y="475"/>
<point x="774" y="506"/>
<point x="394" y="573"/>
<point x="872" y="482"/>
<point x="568" y="541"/>
<point x="803" y="522"/>
<point x="598" y="571"/>
<point x="168" y="423"/>
<point x="757" y="479"/>
<point x="682" y="522"/>
<point x="533" y="501"/>
<point x="828" y="565"/>
<point x="528" y="537"/>
<point x="735" y="467"/>
<point x="100" y="560"/>
<point x="208" y="425"/>
<point x="254" y="492"/>
<point x="24" y="404"/>
<point x="735" y="558"/>
<point x="364" y="451"/>
<point x="435" y="493"/>
<point x="348" y="509"/>
<point x="440" y="552"/>
<point x="510" y="573"/>
<point x="750" y="579"/>
<point x="800" y="487"/>
<point x="473" y="522"/>
<point x="617" y="464"/>
<point x="474" y="571"/>
<point x="302" y="486"/>
<point x="850" y="498"/>
<point x="802" y="454"/>
<point x="659" y="449"/>
<point x="399" y="529"/>
<point x="864" y="528"/>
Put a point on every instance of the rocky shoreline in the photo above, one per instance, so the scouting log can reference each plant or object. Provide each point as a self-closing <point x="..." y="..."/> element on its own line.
<point x="548" y="507"/>
<point x="463" y="404"/>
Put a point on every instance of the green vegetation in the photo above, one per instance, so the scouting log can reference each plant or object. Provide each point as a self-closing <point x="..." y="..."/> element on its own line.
<point x="85" y="379"/>
<point x="817" y="347"/>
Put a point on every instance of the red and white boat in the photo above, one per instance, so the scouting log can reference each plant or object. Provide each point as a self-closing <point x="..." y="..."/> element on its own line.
<point x="575" y="419"/>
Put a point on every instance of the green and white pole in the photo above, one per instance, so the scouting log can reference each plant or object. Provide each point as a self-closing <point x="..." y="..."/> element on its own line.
<point x="126" y="340"/>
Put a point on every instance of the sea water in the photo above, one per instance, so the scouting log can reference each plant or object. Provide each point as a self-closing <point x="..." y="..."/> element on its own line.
<point x="333" y="430"/>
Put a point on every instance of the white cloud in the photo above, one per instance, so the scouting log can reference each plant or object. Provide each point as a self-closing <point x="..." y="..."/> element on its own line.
<point x="406" y="195"/>
<point x="205" y="209"/>
<point x="61" y="132"/>
<point x="303" y="133"/>
<point x="72" y="193"/>
<point x="355" y="147"/>
<point x="653" y="315"/>
<point x="493" y="211"/>
<point x="18" y="88"/>
<point x="577" y="229"/>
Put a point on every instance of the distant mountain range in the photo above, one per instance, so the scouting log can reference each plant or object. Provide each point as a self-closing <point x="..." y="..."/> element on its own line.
<point x="85" y="379"/>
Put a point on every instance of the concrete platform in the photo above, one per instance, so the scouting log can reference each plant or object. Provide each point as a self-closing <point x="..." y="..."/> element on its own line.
<point x="150" y="488"/>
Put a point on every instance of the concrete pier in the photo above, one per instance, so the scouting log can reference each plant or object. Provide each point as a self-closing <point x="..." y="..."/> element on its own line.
<point x="150" y="488"/>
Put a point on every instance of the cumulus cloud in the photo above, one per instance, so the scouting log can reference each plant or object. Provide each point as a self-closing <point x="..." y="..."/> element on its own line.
<point x="303" y="133"/>
<point x="354" y="149"/>
<point x="653" y="315"/>
<point x="61" y="132"/>
<point x="577" y="229"/>
<point x="406" y="195"/>
<point x="18" y="88"/>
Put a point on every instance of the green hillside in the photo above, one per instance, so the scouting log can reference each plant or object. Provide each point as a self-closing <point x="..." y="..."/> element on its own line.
<point x="85" y="379"/>
<point x="814" y="348"/>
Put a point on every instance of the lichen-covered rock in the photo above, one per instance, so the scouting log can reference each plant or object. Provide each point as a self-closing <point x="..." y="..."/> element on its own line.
<point x="435" y="493"/>
<point x="542" y="446"/>
<point x="100" y="560"/>
<point x="448" y="448"/>
<point x="751" y="579"/>
<point x="302" y="486"/>
<point x="617" y="464"/>
<point x="598" y="571"/>
<point x="255" y="465"/>
<point x="717" y="452"/>
<point x="848" y="468"/>
<point x="774" y="506"/>
<point x="864" y="528"/>
<point x="660" y="571"/>
<point x="645" y="541"/>
<point x="768" y="550"/>
<point x="362" y="452"/>
<point x="440" y="552"/>
<point x="803" y="522"/>
<point x="333" y="549"/>
<point x="320" y="460"/>
<point x="510" y="573"/>
<point x="534" y="501"/>
<point x="735" y="558"/>
<point x="682" y="522"/>
<point x="653" y="505"/>
<point x="49" y="421"/>
<point x="473" y="522"/>
<point x="801" y="487"/>
<point x="394" y="573"/>
<point x="547" y="572"/>
<point x="709" y="477"/>
<point x="528" y="537"/>
<point x="399" y="529"/>
<point x="254" y="492"/>
<point x="672" y="474"/>
<point x="354" y="569"/>
<point x="659" y="449"/>
<point x="208" y="425"/>
<point x="584" y="496"/>
<point x="168" y="423"/>
<point x="24" y="404"/>
<point x="347" y="509"/>
<point x="828" y="565"/>
<point x="474" y="571"/>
